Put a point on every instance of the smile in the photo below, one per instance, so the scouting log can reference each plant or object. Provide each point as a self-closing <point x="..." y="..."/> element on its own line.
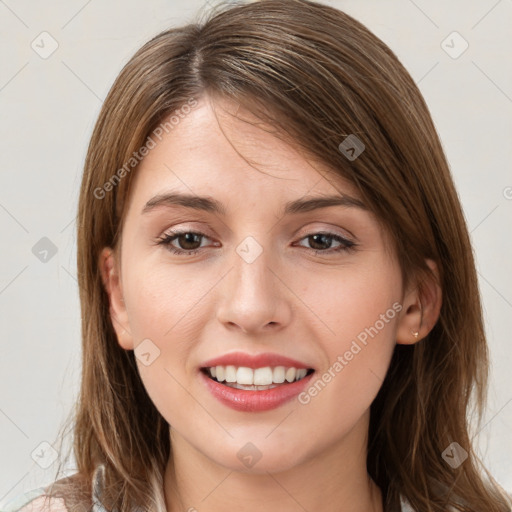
<point x="255" y="379"/>
<point x="255" y="397"/>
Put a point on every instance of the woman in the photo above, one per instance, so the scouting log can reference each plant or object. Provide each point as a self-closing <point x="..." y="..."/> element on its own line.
<point x="279" y="299"/>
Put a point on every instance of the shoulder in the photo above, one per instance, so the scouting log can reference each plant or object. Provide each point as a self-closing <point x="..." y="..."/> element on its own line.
<point x="35" y="500"/>
<point x="65" y="495"/>
<point x="46" y="504"/>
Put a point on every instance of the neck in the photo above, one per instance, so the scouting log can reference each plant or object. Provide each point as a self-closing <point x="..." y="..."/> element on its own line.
<point x="335" y="480"/>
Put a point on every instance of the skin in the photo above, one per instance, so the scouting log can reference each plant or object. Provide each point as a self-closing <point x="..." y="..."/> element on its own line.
<point x="289" y="300"/>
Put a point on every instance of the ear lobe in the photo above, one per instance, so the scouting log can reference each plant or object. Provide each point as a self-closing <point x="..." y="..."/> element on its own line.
<point x="421" y="308"/>
<point x="110" y="275"/>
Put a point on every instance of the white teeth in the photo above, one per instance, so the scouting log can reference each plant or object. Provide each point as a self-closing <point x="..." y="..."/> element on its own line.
<point x="278" y="375"/>
<point x="290" y="374"/>
<point x="265" y="376"/>
<point x="250" y="388"/>
<point x="262" y="376"/>
<point x="219" y="370"/>
<point x="245" y="376"/>
<point x="230" y="374"/>
<point x="301" y="374"/>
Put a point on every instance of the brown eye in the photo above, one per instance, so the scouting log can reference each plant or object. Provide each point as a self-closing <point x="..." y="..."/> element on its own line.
<point x="322" y="243"/>
<point x="187" y="241"/>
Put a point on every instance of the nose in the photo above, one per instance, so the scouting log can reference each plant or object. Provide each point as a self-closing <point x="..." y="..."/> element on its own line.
<point x="254" y="297"/>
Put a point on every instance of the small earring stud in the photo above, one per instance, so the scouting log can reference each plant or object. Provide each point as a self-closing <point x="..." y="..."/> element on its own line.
<point x="415" y="334"/>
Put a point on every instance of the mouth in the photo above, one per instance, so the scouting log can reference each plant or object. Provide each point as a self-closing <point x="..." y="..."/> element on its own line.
<point x="255" y="379"/>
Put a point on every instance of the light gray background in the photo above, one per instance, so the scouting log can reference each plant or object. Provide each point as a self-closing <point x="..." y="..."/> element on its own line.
<point x="47" y="111"/>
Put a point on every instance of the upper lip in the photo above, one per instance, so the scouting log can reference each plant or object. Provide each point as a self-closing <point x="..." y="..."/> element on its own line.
<point x="254" y="361"/>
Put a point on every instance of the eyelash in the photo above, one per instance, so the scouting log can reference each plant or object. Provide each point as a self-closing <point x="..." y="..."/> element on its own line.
<point x="166" y="239"/>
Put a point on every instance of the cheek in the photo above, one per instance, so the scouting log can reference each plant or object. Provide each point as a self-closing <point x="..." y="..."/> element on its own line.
<point x="159" y="320"/>
<point x="160" y="299"/>
<point x="359" y="321"/>
<point x="352" y="301"/>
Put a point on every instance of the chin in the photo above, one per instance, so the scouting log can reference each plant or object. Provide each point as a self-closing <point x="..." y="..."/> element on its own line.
<point x="249" y="459"/>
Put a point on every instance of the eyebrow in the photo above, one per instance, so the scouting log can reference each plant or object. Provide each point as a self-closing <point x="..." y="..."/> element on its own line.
<point x="211" y="205"/>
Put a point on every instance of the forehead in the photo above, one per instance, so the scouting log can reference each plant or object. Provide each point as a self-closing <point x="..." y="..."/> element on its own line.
<point x="220" y="149"/>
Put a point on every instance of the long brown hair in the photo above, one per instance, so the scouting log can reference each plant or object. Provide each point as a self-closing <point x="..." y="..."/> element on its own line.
<point x="318" y="76"/>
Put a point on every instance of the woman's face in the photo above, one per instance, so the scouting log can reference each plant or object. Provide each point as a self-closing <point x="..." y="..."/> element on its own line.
<point x="318" y="285"/>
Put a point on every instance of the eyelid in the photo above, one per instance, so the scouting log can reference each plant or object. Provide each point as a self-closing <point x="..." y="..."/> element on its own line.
<point x="331" y="230"/>
<point x="206" y="232"/>
<point x="300" y="234"/>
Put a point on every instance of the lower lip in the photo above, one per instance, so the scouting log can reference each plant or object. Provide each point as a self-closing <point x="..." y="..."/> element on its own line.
<point x="255" y="401"/>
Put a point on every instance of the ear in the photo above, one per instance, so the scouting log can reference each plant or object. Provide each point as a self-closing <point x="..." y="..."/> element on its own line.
<point x="421" y="307"/>
<point x="111" y="276"/>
